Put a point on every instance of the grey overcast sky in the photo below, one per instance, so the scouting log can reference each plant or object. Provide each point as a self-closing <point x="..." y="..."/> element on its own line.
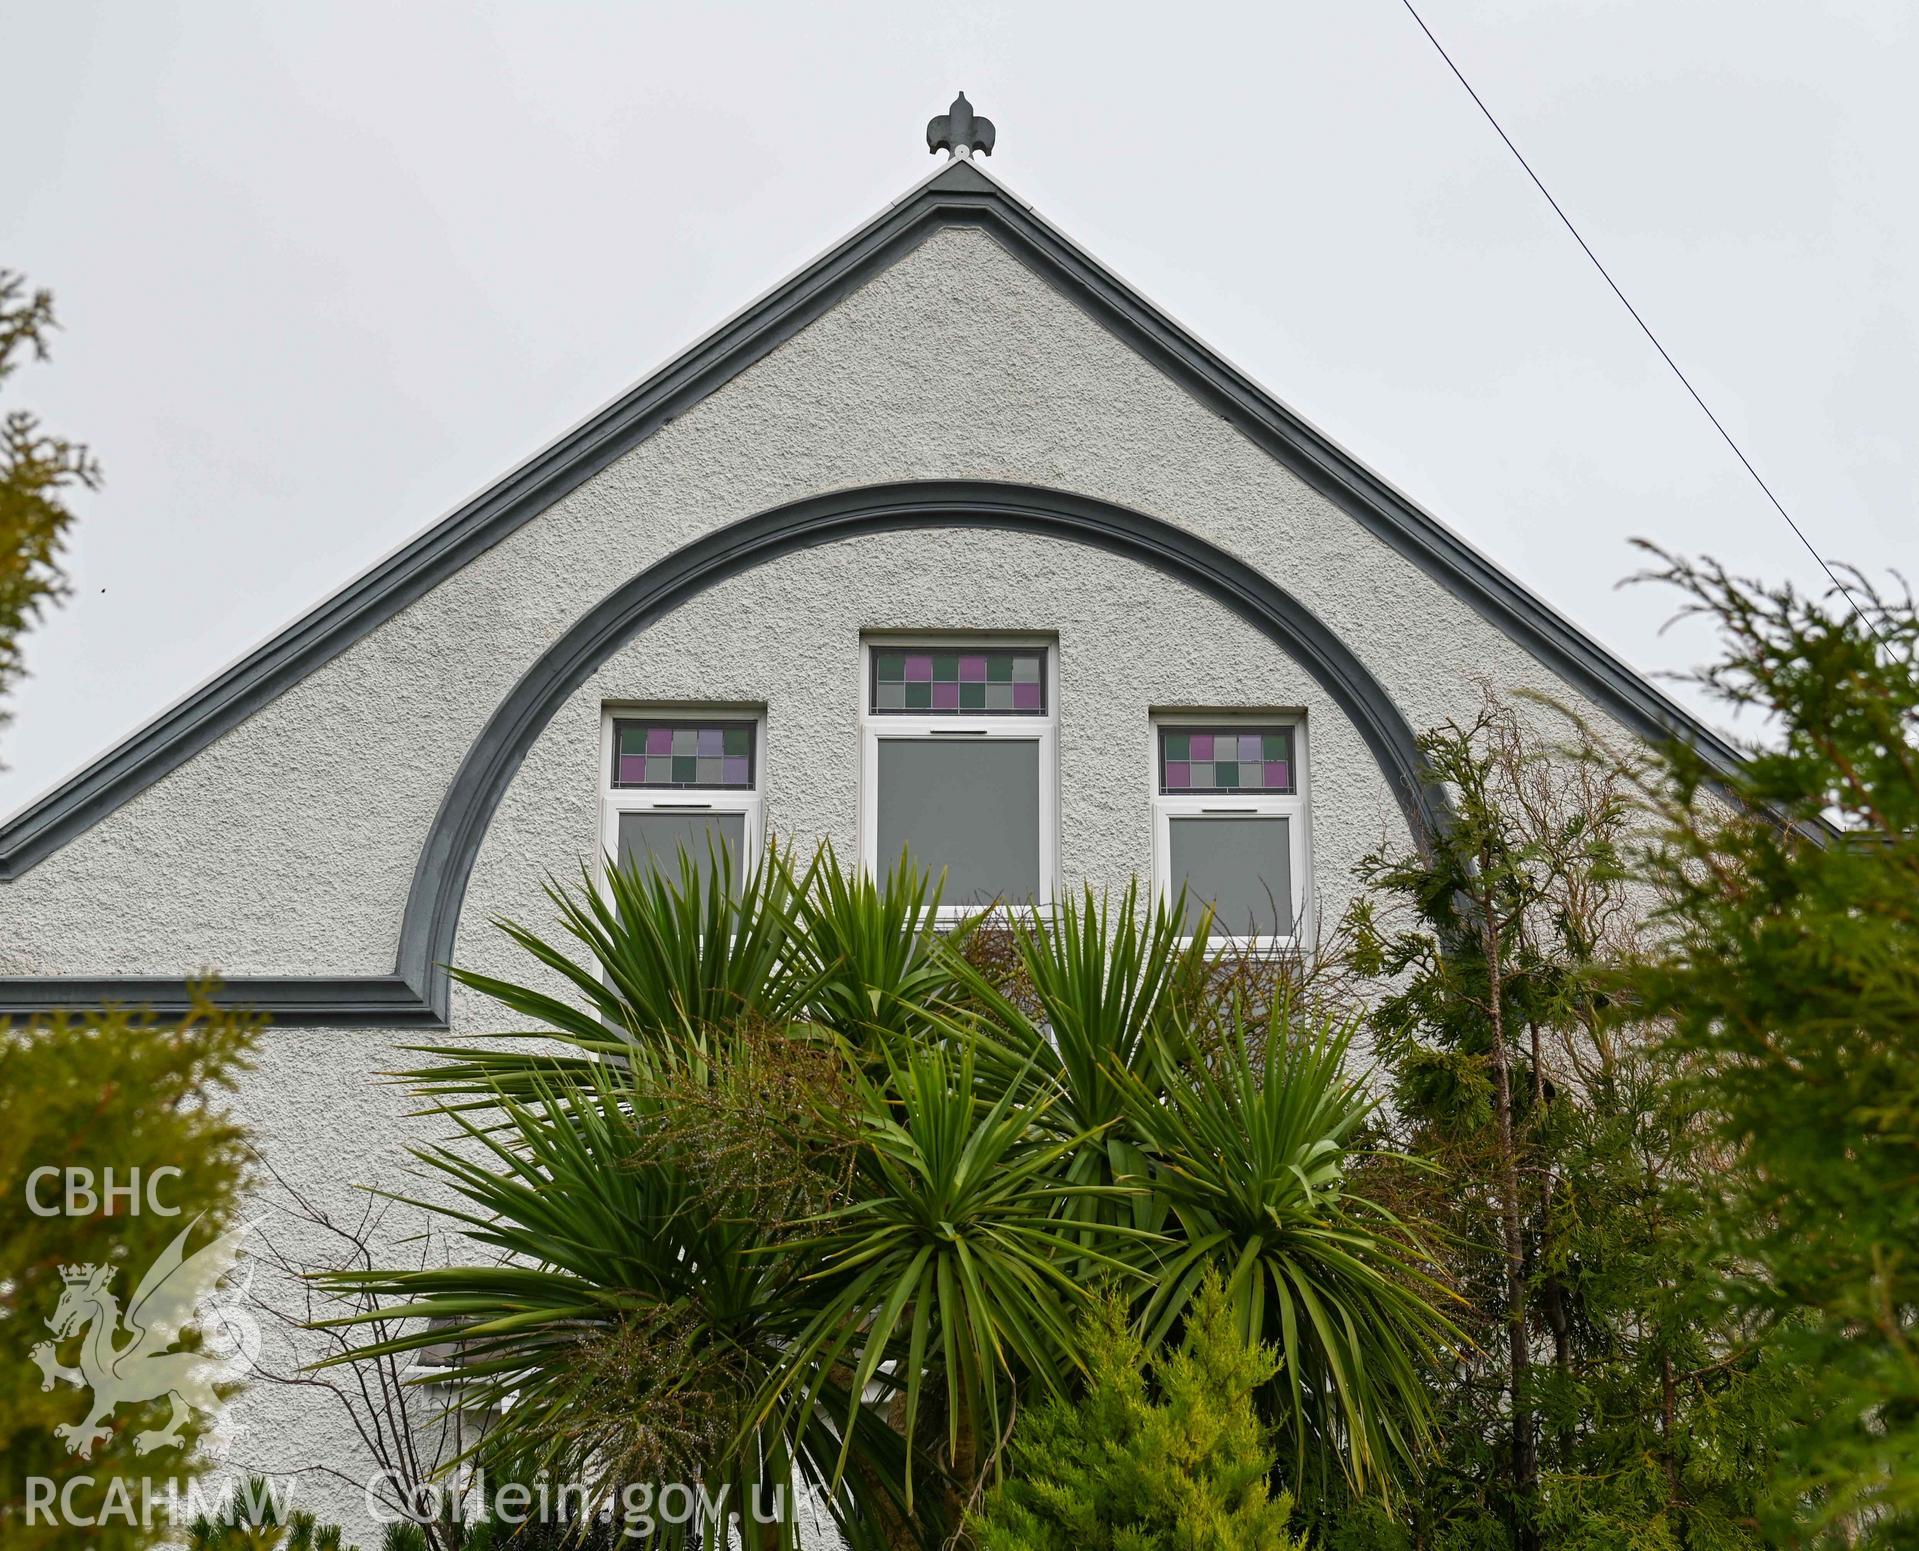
<point x="328" y="269"/>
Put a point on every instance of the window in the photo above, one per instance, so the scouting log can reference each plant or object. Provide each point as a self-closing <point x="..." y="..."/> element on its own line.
<point x="681" y="781"/>
<point x="957" y="754"/>
<point x="1229" y="823"/>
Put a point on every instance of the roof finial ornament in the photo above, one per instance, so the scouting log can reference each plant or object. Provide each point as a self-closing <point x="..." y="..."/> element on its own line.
<point x="959" y="133"/>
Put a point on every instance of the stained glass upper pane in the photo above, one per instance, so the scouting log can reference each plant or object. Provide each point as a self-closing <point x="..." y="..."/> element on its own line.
<point x="650" y="751"/>
<point x="1245" y="761"/>
<point x="952" y="681"/>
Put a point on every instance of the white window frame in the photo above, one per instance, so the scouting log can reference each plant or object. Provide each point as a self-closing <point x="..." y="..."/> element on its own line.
<point x="958" y="727"/>
<point x="615" y="800"/>
<point x="1292" y="806"/>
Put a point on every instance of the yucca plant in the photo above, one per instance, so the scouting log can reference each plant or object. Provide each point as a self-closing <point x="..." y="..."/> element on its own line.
<point x="870" y="953"/>
<point x="946" y="1281"/>
<point x="250" y="1520"/>
<point x="1104" y="989"/>
<point x="803" y="1194"/>
<point x="1254" y="1149"/>
<point x="660" y="957"/>
<point x="637" y="1303"/>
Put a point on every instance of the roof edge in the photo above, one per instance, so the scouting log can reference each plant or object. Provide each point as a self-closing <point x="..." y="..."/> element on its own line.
<point x="190" y="723"/>
<point x="959" y="193"/>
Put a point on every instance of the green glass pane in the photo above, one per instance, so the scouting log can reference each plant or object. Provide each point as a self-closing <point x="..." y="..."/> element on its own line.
<point x="685" y="769"/>
<point x="945" y="669"/>
<point x="999" y="669"/>
<point x="1279" y="745"/>
<point x="1179" y="745"/>
<point x="919" y="697"/>
<point x="739" y="741"/>
<point x="632" y="740"/>
<point x="891" y="665"/>
<point x="972" y="697"/>
<point x="1227" y="775"/>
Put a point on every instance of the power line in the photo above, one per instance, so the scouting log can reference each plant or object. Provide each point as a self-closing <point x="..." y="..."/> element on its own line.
<point x="1664" y="354"/>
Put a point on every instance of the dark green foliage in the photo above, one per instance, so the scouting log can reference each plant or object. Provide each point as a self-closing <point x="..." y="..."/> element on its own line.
<point x="841" y="1213"/>
<point x="36" y="473"/>
<point x="1162" y="1449"/>
<point x="250" y="1520"/>
<point x="1791" y="983"/>
<point x="1255" y="1151"/>
<point x="1604" y="1402"/>
<point x="124" y="1093"/>
<point x="1231" y="1137"/>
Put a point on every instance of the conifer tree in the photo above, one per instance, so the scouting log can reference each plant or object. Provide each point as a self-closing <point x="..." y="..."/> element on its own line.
<point x="80" y="1097"/>
<point x="37" y="472"/>
<point x="1597" y="1407"/>
<point x="1790" y="980"/>
<point x="1161" y="1452"/>
<point x="94" y="1102"/>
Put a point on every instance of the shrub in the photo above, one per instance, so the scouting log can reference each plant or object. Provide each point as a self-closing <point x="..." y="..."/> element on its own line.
<point x="1163" y="1449"/>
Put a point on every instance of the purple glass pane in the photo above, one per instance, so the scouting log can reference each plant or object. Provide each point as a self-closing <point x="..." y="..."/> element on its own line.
<point x="632" y="769"/>
<point x="1026" y="697"/>
<point x="659" y="740"/>
<point x="735" y="772"/>
<point x="919" y="670"/>
<point x="712" y="742"/>
<point x="1176" y="775"/>
<point x="1249" y="746"/>
<point x="946" y="697"/>
<point x="1202" y="748"/>
<point x="972" y="670"/>
<point x="1279" y="775"/>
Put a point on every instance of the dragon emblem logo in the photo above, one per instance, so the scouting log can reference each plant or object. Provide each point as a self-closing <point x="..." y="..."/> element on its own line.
<point x="129" y="1359"/>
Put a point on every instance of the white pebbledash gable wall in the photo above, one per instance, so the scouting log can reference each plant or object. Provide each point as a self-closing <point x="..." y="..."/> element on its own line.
<point x="288" y="845"/>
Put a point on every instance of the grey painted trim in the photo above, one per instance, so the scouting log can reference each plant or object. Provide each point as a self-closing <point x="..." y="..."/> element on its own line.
<point x="293" y="1001"/>
<point x="1370" y="500"/>
<point x="960" y="194"/>
<point x="431" y="923"/>
<point x="423" y="563"/>
<point x="418" y="994"/>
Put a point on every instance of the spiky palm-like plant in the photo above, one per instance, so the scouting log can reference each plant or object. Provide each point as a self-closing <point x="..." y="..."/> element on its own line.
<point x="1253" y="1149"/>
<point x="948" y="1269"/>
<point x="802" y="1193"/>
<point x="1104" y="988"/>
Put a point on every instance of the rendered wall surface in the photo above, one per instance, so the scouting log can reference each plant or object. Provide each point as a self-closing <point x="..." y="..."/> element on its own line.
<point x="287" y="847"/>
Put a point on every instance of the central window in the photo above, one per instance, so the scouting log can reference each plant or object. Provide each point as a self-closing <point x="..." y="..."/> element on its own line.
<point x="958" y="751"/>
